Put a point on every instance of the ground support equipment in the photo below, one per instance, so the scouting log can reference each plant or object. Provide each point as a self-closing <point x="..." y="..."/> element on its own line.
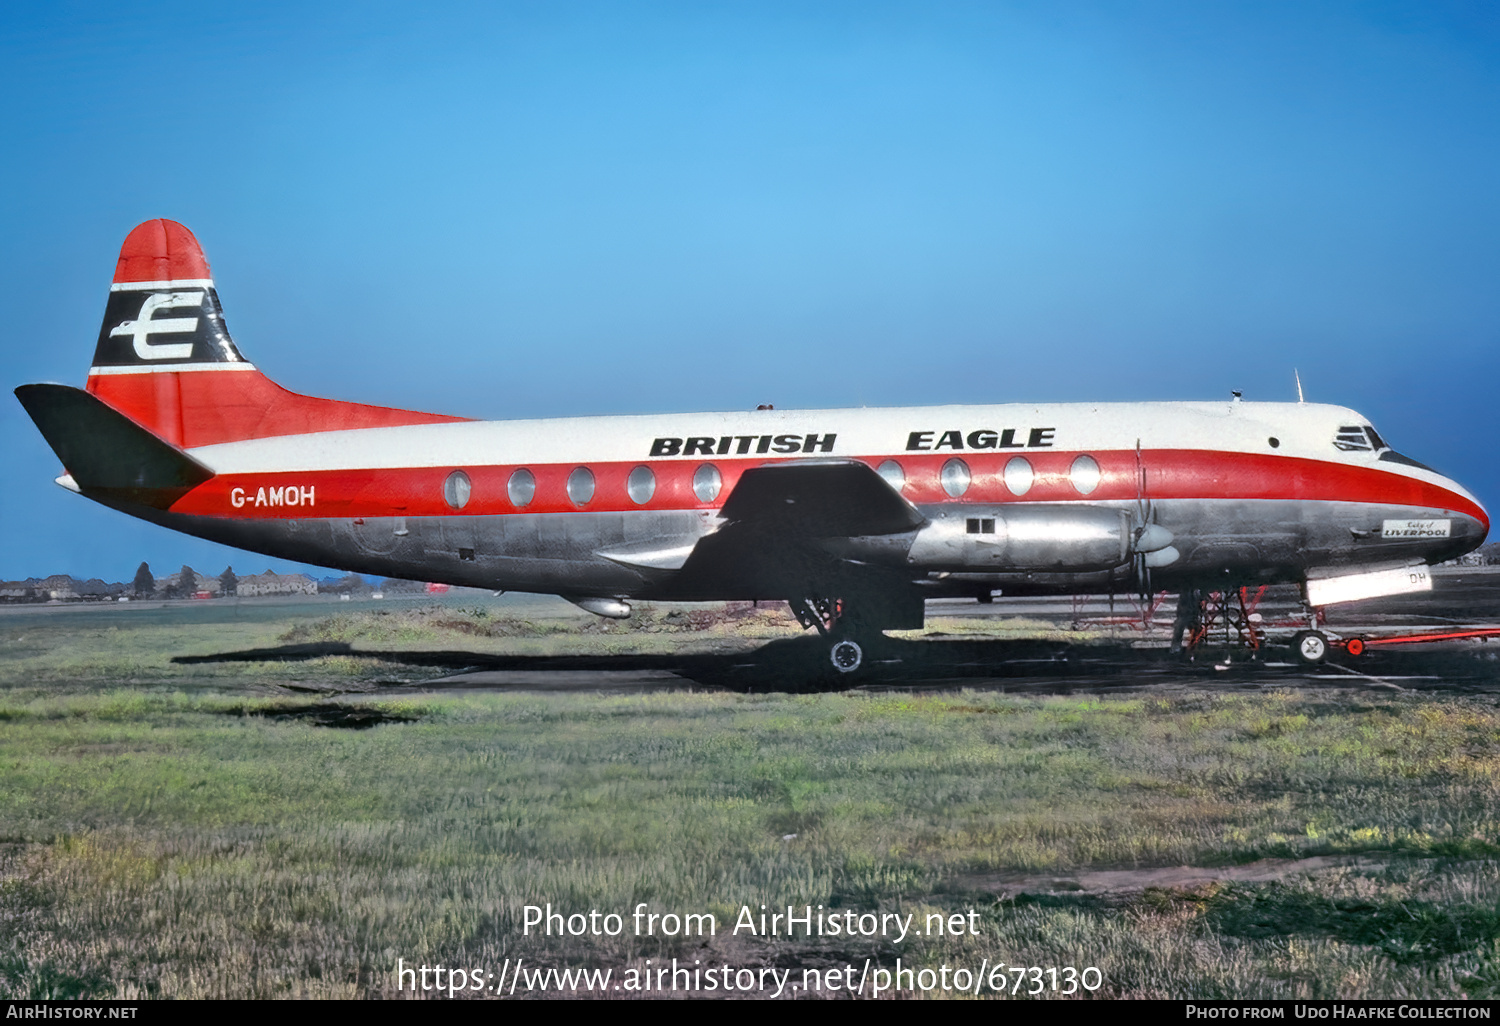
<point x="1225" y="618"/>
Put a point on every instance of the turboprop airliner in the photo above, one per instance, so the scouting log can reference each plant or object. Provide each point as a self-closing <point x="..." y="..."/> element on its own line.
<point x="854" y="517"/>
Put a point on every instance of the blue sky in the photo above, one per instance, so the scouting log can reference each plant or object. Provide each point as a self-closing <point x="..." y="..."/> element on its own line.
<point x="524" y="210"/>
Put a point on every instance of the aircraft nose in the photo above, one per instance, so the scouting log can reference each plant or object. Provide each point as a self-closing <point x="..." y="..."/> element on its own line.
<point x="1472" y="530"/>
<point x="1478" y="527"/>
<point x="1471" y="521"/>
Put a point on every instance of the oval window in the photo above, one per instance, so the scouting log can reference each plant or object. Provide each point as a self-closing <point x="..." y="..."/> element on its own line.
<point x="521" y="488"/>
<point x="456" y="489"/>
<point x="581" y="486"/>
<point x="893" y="474"/>
<point x="1019" y="475"/>
<point x="640" y="485"/>
<point x="955" y="477"/>
<point x="707" y="482"/>
<point x="1084" y="474"/>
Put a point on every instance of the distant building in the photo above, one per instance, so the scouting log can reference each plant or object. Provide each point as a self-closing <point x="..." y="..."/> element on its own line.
<point x="396" y="586"/>
<point x="1485" y="555"/>
<point x="171" y="586"/>
<point x="271" y="583"/>
<point x="17" y="591"/>
<point x="92" y="590"/>
<point x="352" y="585"/>
<point x="57" y="588"/>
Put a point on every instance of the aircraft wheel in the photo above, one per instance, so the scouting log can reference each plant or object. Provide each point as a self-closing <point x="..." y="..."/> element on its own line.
<point x="1310" y="647"/>
<point x="846" y="656"/>
<point x="1355" y="647"/>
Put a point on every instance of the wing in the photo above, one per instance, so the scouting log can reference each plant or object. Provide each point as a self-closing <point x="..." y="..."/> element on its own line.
<point x="819" y="499"/>
<point x="782" y="525"/>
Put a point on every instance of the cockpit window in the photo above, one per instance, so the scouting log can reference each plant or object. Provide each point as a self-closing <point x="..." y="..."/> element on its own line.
<point x="1392" y="456"/>
<point x="1359" y="438"/>
<point x="1352" y="439"/>
<point x="1364" y="438"/>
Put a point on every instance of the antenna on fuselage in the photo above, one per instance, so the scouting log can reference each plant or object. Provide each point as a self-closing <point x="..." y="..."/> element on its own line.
<point x="1299" y="386"/>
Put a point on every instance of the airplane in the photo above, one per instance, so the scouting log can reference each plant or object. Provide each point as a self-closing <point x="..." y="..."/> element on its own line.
<point x="854" y="517"/>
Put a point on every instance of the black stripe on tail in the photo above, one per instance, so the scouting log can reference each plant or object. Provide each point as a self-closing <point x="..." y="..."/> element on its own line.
<point x="164" y="324"/>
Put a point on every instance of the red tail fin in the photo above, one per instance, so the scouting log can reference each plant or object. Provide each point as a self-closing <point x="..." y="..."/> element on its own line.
<point x="165" y="358"/>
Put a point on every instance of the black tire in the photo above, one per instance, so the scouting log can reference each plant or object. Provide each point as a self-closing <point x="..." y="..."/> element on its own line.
<point x="846" y="655"/>
<point x="1310" y="647"/>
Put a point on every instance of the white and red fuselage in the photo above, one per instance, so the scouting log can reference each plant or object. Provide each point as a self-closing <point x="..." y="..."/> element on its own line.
<point x="1018" y="497"/>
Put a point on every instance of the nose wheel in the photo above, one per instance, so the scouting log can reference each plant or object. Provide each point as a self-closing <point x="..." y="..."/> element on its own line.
<point x="846" y="655"/>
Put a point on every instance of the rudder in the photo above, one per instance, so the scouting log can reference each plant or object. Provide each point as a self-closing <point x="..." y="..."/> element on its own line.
<point x="163" y="309"/>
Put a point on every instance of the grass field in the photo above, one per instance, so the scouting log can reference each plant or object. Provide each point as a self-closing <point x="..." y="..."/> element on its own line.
<point x="191" y="830"/>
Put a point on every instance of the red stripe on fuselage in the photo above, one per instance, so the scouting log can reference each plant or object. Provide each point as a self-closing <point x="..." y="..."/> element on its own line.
<point x="1170" y="474"/>
<point x="207" y="407"/>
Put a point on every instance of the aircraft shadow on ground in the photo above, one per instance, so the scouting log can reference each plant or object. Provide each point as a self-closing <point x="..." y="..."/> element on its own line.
<point x="801" y="664"/>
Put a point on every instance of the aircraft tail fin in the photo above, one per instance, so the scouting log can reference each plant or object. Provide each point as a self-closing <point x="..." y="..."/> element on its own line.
<point x="165" y="358"/>
<point x="107" y="454"/>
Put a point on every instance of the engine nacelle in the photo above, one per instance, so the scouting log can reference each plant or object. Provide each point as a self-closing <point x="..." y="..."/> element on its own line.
<point x="1065" y="538"/>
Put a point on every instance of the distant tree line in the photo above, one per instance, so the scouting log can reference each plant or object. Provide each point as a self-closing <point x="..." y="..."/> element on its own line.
<point x="186" y="583"/>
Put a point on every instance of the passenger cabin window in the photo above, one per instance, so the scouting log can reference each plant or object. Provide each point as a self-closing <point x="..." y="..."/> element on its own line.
<point x="707" y="482"/>
<point x="1084" y="474"/>
<point x="893" y="474"/>
<point x="1019" y="475"/>
<point x="521" y="488"/>
<point x="955" y="477"/>
<point x="581" y="486"/>
<point x="457" y="489"/>
<point x="640" y="485"/>
<point x="980" y="525"/>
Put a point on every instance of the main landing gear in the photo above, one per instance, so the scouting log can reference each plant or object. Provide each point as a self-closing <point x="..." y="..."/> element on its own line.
<point x="853" y="624"/>
<point x="845" y="654"/>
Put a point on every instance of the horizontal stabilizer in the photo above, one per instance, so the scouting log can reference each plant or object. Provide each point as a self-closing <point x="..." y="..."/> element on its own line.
<point x="820" y="499"/>
<point x="107" y="454"/>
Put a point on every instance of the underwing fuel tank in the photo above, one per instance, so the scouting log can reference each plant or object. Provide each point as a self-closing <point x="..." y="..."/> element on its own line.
<point x="1070" y="538"/>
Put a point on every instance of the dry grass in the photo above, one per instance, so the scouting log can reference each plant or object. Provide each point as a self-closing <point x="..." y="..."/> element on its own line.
<point x="195" y="833"/>
<point x="167" y="844"/>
